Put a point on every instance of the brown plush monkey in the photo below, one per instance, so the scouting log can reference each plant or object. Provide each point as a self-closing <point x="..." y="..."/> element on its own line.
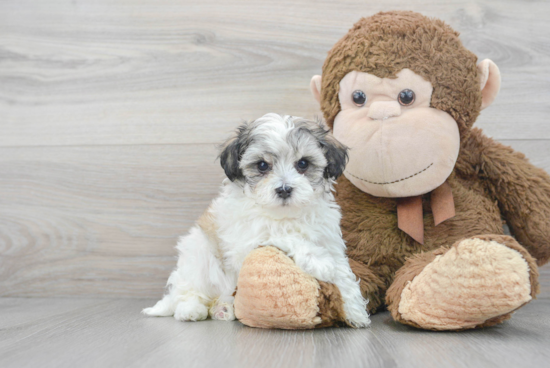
<point x="424" y="195"/>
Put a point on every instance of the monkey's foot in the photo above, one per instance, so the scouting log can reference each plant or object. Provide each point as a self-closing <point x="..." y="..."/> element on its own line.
<point x="272" y="292"/>
<point x="478" y="282"/>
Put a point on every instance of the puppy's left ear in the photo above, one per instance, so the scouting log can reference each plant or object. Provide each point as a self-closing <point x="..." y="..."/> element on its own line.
<point x="231" y="152"/>
<point x="337" y="156"/>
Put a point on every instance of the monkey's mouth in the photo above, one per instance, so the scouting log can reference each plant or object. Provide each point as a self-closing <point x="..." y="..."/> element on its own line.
<point x="391" y="182"/>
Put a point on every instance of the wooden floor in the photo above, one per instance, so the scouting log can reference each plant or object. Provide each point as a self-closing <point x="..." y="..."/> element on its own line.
<point x="110" y="113"/>
<point x="45" y="332"/>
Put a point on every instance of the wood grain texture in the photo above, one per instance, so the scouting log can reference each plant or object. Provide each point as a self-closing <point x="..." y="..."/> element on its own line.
<point x="167" y="72"/>
<point x="110" y="113"/>
<point x="99" y="333"/>
<point x="98" y="220"/>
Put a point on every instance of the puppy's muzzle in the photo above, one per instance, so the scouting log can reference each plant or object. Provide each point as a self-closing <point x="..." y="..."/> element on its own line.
<point x="284" y="191"/>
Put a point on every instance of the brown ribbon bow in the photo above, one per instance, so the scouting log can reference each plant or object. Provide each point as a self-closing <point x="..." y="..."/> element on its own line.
<point x="410" y="218"/>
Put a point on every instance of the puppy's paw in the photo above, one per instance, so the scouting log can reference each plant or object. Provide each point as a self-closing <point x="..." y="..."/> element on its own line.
<point x="222" y="312"/>
<point x="161" y="309"/>
<point x="322" y="268"/>
<point x="355" y="306"/>
<point x="358" y="318"/>
<point x="150" y="312"/>
<point x="191" y="311"/>
<point x="358" y="324"/>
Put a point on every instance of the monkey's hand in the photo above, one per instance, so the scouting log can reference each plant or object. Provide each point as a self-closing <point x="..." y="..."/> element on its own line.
<point x="522" y="191"/>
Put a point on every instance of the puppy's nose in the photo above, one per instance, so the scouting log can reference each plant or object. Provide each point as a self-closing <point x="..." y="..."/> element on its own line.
<point x="284" y="191"/>
<point x="381" y="110"/>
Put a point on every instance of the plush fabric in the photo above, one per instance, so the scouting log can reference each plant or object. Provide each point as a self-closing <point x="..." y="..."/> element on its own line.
<point x="381" y="150"/>
<point x="369" y="223"/>
<point x="389" y="42"/>
<point x="490" y="81"/>
<point x="473" y="281"/>
<point x="273" y="292"/>
<point x="445" y="282"/>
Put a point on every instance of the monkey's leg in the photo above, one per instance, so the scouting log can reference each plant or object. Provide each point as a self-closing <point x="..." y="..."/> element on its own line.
<point x="478" y="282"/>
<point x="272" y="292"/>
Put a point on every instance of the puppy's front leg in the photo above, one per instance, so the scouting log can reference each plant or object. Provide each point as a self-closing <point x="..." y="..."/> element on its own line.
<point x="355" y="306"/>
<point x="315" y="261"/>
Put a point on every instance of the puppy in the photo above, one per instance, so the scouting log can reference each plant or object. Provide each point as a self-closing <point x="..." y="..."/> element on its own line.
<point x="281" y="171"/>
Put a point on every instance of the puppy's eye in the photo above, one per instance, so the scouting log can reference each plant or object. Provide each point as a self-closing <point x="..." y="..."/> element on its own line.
<point x="263" y="166"/>
<point x="302" y="165"/>
<point x="406" y="97"/>
<point x="359" y="97"/>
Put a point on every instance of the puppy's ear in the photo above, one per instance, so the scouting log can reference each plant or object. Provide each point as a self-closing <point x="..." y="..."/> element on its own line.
<point x="231" y="152"/>
<point x="337" y="156"/>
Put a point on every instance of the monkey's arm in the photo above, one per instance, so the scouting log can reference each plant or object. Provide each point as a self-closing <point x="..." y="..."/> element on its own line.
<point x="522" y="191"/>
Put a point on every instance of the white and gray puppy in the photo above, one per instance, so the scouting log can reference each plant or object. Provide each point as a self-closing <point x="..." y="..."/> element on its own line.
<point x="281" y="171"/>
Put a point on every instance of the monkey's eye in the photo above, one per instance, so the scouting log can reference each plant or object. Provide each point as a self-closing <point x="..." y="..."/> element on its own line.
<point x="359" y="97"/>
<point x="302" y="165"/>
<point x="263" y="166"/>
<point x="406" y="97"/>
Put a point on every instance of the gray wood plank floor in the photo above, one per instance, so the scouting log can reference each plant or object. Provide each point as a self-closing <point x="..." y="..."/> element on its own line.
<point x="46" y="332"/>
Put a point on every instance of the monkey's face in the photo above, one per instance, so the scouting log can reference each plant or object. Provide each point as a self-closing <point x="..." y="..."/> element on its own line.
<point x="399" y="145"/>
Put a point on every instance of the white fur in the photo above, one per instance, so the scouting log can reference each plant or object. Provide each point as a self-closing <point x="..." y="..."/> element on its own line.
<point x="306" y="227"/>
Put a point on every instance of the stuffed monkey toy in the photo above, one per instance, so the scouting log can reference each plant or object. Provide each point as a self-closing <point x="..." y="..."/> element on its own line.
<point x="424" y="195"/>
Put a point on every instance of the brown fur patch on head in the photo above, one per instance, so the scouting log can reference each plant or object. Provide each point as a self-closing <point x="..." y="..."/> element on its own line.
<point x="388" y="42"/>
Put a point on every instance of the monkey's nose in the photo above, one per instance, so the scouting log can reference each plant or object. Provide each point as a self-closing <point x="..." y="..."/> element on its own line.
<point x="384" y="110"/>
<point x="284" y="191"/>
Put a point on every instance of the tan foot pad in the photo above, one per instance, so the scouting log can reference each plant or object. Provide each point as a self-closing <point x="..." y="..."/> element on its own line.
<point x="272" y="292"/>
<point x="473" y="282"/>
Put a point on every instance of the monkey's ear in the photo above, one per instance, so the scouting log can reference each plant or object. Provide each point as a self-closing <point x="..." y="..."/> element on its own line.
<point x="490" y="82"/>
<point x="315" y="86"/>
<point x="337" y="157"/>
<point x="231" y="152"/>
